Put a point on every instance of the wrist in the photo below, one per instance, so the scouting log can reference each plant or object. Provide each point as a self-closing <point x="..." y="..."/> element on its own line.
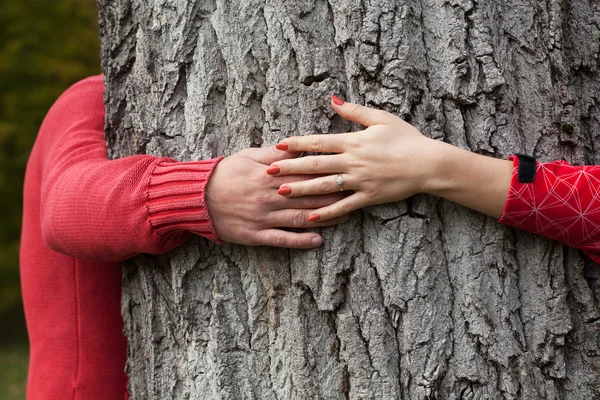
<point x="444" y="168"/>
<point x="469" y="179"/>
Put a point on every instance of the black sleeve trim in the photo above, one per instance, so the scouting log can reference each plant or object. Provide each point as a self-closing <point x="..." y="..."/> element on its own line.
<point x="527" y="167"/>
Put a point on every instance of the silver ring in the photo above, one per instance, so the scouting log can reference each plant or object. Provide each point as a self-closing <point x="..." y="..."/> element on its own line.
<point x="340" y="181"/>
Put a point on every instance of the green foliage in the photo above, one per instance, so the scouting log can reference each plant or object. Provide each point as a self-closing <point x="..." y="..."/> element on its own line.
<point x="13" y="370"/>
<point x="45" y="46"/>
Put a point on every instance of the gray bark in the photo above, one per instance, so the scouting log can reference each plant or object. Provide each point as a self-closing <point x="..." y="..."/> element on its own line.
<point x="421" y="299"/>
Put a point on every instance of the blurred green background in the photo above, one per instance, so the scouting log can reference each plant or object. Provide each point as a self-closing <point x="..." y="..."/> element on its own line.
<point x="45" y="46"/>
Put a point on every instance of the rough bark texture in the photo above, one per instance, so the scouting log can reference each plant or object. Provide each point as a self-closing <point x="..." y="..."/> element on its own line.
<point x="416" y="300"/>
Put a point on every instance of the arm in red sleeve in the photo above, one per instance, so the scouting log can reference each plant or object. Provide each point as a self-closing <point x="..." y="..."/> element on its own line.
<point x="562" y="203"/>
<point x="108" y="210"/>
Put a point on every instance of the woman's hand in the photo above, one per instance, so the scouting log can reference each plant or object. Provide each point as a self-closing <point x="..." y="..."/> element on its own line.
<point x="386" y="162"/>
<point x="389" y="161"/>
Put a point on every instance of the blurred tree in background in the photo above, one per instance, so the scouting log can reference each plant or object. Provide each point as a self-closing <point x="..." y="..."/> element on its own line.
<point x="45" y="46"/>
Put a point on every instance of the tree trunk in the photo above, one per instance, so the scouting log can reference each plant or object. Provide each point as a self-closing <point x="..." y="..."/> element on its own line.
<point x="421" y="299"/>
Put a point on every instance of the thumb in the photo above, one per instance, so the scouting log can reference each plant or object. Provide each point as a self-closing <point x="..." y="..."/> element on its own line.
<point x="365" y="116"/>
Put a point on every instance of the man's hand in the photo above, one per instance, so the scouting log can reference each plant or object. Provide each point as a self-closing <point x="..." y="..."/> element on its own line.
<point x="245" y="208"/>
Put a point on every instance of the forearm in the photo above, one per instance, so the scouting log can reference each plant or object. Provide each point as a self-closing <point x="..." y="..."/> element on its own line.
<point x="391" y="160"/>
<point x="469" y="179"/>
<point x="105" y="210"/>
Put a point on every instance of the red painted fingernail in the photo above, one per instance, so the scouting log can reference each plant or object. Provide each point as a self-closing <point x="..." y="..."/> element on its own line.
<point x="281" y="146"/>
<point x="313" y="218"/>
<point x="274" y="170"/>
<point x="284" y="190"/>
<point x="337" y="100"/>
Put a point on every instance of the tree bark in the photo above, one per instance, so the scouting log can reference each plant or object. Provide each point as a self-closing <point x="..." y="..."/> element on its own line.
<point x="421" y="299"/>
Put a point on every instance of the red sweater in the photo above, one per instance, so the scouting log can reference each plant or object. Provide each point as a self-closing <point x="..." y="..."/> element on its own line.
<point x="83" y="214"/>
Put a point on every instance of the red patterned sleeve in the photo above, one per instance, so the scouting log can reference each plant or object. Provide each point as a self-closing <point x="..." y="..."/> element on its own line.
<point x="562" y="203"/>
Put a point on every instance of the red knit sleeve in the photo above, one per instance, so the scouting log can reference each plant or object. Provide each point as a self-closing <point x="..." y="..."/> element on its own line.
<point x="108" y="210"/>
<point x="562" y="203"/>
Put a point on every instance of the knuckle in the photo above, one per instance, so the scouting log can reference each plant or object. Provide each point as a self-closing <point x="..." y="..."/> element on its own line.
<point x="352" y="142"/>
<point x="356" y="163"/>
<point x="279" y="240"/>
<point x="314" y="164"/>
<point x="263" y="179"/>
<point x="298" y="219"/>
<point x="345" y="207"/>
<point x="316" y="144"/>
<point x="264" y="199"/>
<point x="260" y="219"/>
<point x="325" y="186"/>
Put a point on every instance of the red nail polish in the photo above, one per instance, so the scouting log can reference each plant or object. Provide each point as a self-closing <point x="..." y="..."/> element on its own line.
<point x="274" y="170"/>
<point x="284" y="190"/>
<point x="314" y="218"/>
<point x="337" y="100"/>
<point x="281" y="146"/>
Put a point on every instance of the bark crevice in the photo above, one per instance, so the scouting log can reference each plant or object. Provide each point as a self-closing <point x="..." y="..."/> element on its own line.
<point x="419" y="299"/>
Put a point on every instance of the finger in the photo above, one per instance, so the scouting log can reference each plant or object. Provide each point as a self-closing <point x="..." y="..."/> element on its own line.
<point x="342" y="207"/>
<point x="275" y="182"/>
<point x="292" y="240"/>
<point x="334" y="143"/>
<point x="317" y="186"/>
<point x="281" y="202"/>
<point x="309" y="165"/>
<point x="365" y="116"/>
<point x="267" y="155"/>
<point x="299" y="219"/>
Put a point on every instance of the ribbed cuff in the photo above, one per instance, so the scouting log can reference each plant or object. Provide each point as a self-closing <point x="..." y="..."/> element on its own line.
<point x="175" y="198"/>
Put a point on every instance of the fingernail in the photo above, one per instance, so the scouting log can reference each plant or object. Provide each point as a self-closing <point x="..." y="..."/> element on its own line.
<point x="313" y="218"/>
<point x="316" y="241"/>
<point x="281" y="146"/>
<point x="284" y="190"/>
<point x="337" y="100"/>
<point x="274" y="170"/>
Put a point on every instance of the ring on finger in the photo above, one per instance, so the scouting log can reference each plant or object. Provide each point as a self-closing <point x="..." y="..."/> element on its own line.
<point x="340" y="181"/>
